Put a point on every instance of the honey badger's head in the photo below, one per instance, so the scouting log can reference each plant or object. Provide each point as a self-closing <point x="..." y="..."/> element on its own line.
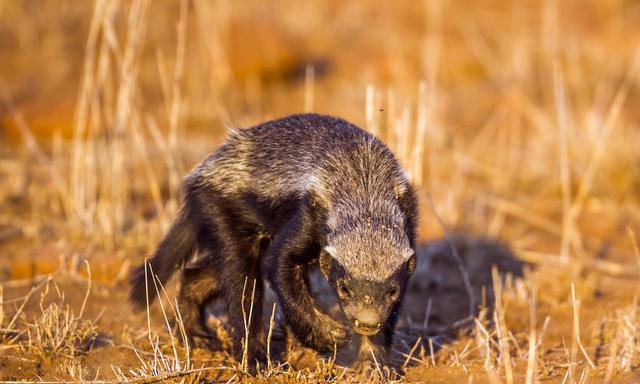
<point x="368" y="266"/>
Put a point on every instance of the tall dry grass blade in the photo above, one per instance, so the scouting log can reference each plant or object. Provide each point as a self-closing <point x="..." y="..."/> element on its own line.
<point x="411" y="352"/>
<point x="88" y="292"/>
<point x="531" y="361"/>
<point x="269" y="334"/>
<point x="247" y="324"/>
<point x="636" y="249"/>
<point x="483" y="339"/>
<point x="1" y="306"/>
<point x="503" y="333"/>
<point x="576" y="341"/>
<point x="83" y="102"/>
<point x="432" y="40"/>
<point x="155" y="366"/>
<point x="526" y="215"/>
<point x="157" y="284"/>
<point x="602" y="266"/>
<point x="427" y="315"/>
<point x="606" y="130"/>
<point x="214" y="23"/>
<point x="170" y="163"/>
<point x="176" y="88"/>
<point x="402" y="133"/>
<point x="183" y="333"/>
<point x="375" y="361"/>
<point x="371" y="117"/>
<point x="392" y="104"/>
<point x="432" y="353"/>
<point x="309" y="87"/>
<point x="417" y="156"/>
<point x="565" y="172"/>
<point x="26" y="299"/>
<point x="430" y="106"/>
<point x="454" y="252"/>
<point x="154" y="184"/>
<point x="165" y="86"/>
<point x="613" y="354"/>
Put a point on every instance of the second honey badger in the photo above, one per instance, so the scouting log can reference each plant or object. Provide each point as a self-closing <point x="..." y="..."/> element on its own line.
<point x="318" y="189"/>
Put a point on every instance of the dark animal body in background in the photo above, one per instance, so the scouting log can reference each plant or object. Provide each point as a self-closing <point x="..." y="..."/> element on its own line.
<point x="277" y="198"/>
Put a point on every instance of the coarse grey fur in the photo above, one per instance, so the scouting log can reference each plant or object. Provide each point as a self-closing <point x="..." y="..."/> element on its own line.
<point x="348" y="172"/>
<point x="282" y="195"/>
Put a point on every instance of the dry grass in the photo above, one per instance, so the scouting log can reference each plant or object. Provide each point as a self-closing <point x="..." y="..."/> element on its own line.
<point x="173" y="367"/>
<point x="516" y="119"/>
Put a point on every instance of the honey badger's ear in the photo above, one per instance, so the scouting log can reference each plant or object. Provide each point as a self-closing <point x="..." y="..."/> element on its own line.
<point x="326" y="258"/>
<point x="411" y="263"/>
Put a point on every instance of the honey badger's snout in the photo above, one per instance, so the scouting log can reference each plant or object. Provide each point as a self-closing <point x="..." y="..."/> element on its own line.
<point x="367" y="322"/>
<point x="366" y="319"/>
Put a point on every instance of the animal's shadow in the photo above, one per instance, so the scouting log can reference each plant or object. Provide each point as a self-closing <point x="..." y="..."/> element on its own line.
<point x="436" y="304"/>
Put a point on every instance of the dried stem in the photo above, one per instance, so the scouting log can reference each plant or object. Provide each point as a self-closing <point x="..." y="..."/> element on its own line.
<point x="454" y="252"/>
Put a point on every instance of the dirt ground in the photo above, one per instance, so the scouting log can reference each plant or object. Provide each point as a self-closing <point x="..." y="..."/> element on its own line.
<point x="434" y="341"/>
<point x="516" y="120"/>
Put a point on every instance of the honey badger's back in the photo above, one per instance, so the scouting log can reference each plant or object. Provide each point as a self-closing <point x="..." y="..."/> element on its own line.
<point x="308" y="153"/>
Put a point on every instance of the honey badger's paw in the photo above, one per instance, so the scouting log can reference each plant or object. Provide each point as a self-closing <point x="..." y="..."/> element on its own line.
<point x="372" y="358"/>
<point x="204" y="340"/>
<point x="328" y="334"/>
<point x="363" y="366"/>
<point x="368" y="366"/>
<point x="198" y="336"/>
<point x="256" y="358"/>
<point x="209" y="342"/>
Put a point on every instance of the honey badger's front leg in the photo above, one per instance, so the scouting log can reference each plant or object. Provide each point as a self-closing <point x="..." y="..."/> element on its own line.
<point x="287" y="261"/>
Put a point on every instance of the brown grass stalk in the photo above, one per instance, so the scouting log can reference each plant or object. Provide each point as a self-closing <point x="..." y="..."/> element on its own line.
<point x="501" y="327"/>
<point x="576" y="340"/>
<point x="454" y="252"/>
<point x="531" y="358"/>
<point x="269" y="334"/>
<point x="244" y="365"/>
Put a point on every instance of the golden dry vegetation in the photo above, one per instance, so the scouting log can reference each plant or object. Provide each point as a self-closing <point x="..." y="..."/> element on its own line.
<point x="518" y="120"/>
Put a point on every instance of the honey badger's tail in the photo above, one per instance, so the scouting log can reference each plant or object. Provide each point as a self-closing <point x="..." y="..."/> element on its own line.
<point x="176" y="247"/>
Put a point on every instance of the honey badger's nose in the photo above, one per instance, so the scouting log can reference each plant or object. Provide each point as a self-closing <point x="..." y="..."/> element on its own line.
<point x="367" y="322"/>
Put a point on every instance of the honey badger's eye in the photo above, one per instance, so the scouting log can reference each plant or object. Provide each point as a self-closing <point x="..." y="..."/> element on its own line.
<point x="344" y="289"/>
<point x="393" y="292"/>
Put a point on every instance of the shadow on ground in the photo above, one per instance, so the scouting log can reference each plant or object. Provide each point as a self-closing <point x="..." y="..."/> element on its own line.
<point x="436" y="305"/>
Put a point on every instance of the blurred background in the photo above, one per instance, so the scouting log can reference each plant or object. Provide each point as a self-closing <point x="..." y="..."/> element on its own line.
<point x="519" y="117"/>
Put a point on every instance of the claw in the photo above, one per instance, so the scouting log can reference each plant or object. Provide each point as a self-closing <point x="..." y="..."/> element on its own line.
<point x="329" y="333"/>
<point x="367" y="366"/>
<point x="340" y="334"/>
<point x="363" y="366"/>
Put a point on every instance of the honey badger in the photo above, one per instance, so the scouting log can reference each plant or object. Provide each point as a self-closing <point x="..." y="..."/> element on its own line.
<point x="275" y="199"/>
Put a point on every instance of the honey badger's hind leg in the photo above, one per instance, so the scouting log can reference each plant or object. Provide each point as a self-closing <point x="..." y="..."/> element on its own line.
<point x="237" y="267"/>
<point x="243" y="289"/>
<point x="198" y="288"/>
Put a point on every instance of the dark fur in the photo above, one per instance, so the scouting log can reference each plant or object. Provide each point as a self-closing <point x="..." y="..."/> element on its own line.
<point x="274" y="199"/>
